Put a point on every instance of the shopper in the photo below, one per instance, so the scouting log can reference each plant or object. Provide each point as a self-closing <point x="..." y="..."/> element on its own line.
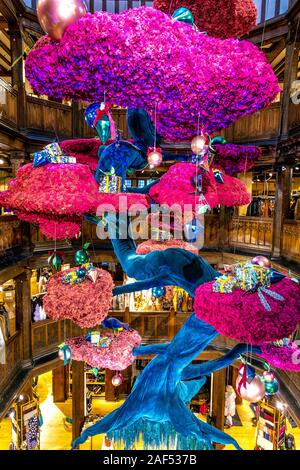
<point x="230" y="397"/>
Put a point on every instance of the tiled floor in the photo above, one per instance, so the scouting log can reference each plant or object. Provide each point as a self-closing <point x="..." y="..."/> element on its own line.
<point x="56" y="433"/>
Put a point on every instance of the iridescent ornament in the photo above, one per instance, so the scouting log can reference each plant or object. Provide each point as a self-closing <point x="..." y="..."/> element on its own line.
<point x="56" y="15"/>
<point x="81" y="273"/>
<point x="56" y="260"/>
<point x="117" y="379"/>
<point x="155" y="158"/>
<point x="158" y="292"/>
<point x="91" y="113"/>
<point x="261" y="261"/>
<point x="93" y="274"/>
<point x="272" y="387"/>
<point x="268" y="376"/>
<point x="184" y="15"/>
<point x="218" y="140"/>
<point x="198" y="144"/>
<point x="253" y="391"/>
<point x="82" y="256"/>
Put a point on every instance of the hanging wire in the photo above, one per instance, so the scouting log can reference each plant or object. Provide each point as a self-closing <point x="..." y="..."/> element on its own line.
<point x="170" y="6"/>
<point x="155" y="122"/>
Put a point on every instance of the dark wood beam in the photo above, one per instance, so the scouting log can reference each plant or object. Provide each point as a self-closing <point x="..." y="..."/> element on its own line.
<point x="5" y="60"/>
<point x="218" y="401"/>
<point x="78" y="397"/>
<point x="8" y="10"/>
<point x="276" y="50"/>
<point x="4" y="47"/>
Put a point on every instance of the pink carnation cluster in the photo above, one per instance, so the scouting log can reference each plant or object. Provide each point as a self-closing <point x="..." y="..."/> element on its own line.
<point x="153" y="245"/>
<point x="86" y="304"/>
<point x="117" y="356"/>
<point x="283" y="357"/>
<point x="56" y="196"/>
<point x="176" y="187"/>
<point x="142" y="56"/>
<point x="240" y="315"/>
<point x="220" y="18"/>
<point x="85" y="150"/>
<point x="237" y="158"/>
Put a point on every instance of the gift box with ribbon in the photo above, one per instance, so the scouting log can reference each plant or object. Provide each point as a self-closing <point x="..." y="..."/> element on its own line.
<point x="250" y="276"/>
<point x="224" y="284"/>
<point x="52" y="153"/>
<point x="110" y="183"/>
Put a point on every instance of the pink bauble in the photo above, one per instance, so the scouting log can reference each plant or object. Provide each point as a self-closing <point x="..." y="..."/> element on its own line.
<point x="56" y="15"/>
<point x="154" y="159"/>
<point x="117" y="379"/>
<point x="254" y="391"/>
<point x="198" y="144"/>
<point x="268" y="376"/>
<point x="261" y="261"/>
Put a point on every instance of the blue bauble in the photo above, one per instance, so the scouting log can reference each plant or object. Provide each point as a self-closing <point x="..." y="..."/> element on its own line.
<point x="193" y="230"/>
<point x="158" y="292"/>
<point x="81" y="273"/>
<point x="90" y="114"/>
<point x="275" y="276"/>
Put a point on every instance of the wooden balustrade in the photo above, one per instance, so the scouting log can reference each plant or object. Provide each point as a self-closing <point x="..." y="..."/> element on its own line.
<point x="8" y="104"/>
<point x="119" y="116"/>
<point x="211" y="231"/>
<point x="290" y="242"/>
<point x="262" y="126"/>
<point x="10" y="233"/>
<point x="251" y="233"/>
<point x="294" y="117"/>
<point x="49" y="117"/>
<point x="13" y="358"/>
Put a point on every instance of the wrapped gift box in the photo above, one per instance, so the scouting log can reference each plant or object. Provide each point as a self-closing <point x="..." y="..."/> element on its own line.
<point x="110" y="184"/>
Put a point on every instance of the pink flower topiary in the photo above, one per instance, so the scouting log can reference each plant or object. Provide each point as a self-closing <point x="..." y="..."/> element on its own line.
<point x="240" y="315"/>
<point x="283" y="357"/>
<point x="153" y="245"/>
<point x="117" y="356"/>
<point x="85" y="150"/>
<point x="185" y="72"/>
<point x="176" y="187"/>
<point x="86" y="304"/>
<point x="220" y="18"/>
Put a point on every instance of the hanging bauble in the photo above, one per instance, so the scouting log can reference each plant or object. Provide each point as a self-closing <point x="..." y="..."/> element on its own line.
<point x="103" y="129"/>
<point x="268" y="376"/>
<point x="184" y="15"/>
<point x="82" y="256"/>
<point x="218" y="140"/>
<point x="117" y="379"/>
<point x="56" y="15"/>
<point x="253" y="391"/>
<point x="56" y="259"/>
<point x="155" y="157"/>
<point x="272" y="387"/>
<point x="198" y="144"/>
<point x="197" y="182"/>
<point x="81" y="273"/>
<point x="65" y="353"/>
<point x="193" y="229"/>
<point x="158" y="292"/>
<point x="261" y="261"/>
<point x="90" y="114"/>
<point x="93" y="274"/>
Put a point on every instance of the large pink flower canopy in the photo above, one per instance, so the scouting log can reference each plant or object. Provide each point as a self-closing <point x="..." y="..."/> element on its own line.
<point x="220" y="18"/>
<point x="141" y="57"/>
<point x="176" y="187"/>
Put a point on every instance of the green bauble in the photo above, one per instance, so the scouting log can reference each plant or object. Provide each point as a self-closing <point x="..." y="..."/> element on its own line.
<point x="55" y="261"/>
<point x="218" y="140"/>
<point x="81" y="257"/>
<point x="184" y="15"/>
<point x="272" y="387"/>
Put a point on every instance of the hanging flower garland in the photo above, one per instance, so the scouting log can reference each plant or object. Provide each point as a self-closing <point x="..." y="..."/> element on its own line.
<point x="116" y="356"/>
<point x="236" y="158"/>
<point x="176" y="186"/>
<point x="220" y="18"/>
<point x="86" y="303"/>
<point x="286" y="357"/>
<point x="242" y="316"/>
<point x="153" y="245"/>
<point x="185" y="71"/>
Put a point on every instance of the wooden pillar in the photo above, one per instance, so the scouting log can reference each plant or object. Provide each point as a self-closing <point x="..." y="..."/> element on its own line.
<point x="172" y="323"/>
<point x="78" y="397"/>
<point x="18" y="80"/>
<point x="23" y="314"/>
<point x="110" y="392"/>
<point x="59" y="384"/>
<point x="224" y="227"/>
<point x="218" y="401"/>
<point x="235" y="373"/>
<point x="76" y="120"/>
<point x="282" y="202"/>
<point x="290" y="74"/>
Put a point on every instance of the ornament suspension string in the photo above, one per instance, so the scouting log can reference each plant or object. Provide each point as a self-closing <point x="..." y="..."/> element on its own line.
<point x="170" y="6"/>
<point x="155" y="122"/>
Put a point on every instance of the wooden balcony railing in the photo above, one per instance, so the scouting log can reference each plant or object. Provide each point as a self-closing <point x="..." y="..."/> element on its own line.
<point x="290" y="243"/>
<point x="8" y="104"/>
<point x="10" y="233"/>
<point x="13" y="358"/>
<point x="49" y="117"/>
<point x="251" y="233"/>
<point x="261" y="126"/>
<point x="294" y="117"/>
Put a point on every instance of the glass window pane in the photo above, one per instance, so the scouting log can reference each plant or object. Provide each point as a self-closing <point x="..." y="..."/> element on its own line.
<point x="284" y="4"/>
<point x="98" y="5"/>
<point x="148" y="4"/>
<point x="123" y="5"/>
<point x="128" y="183"/>
<point x="136" y="4"/>
<point x="87" y="2"/>
<point x="270" y="9"/>
<point x="141" y="183"/>
<point x="258" y="6"/>
<point x="28" y="3"/>
<point x="110" y="6"/>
